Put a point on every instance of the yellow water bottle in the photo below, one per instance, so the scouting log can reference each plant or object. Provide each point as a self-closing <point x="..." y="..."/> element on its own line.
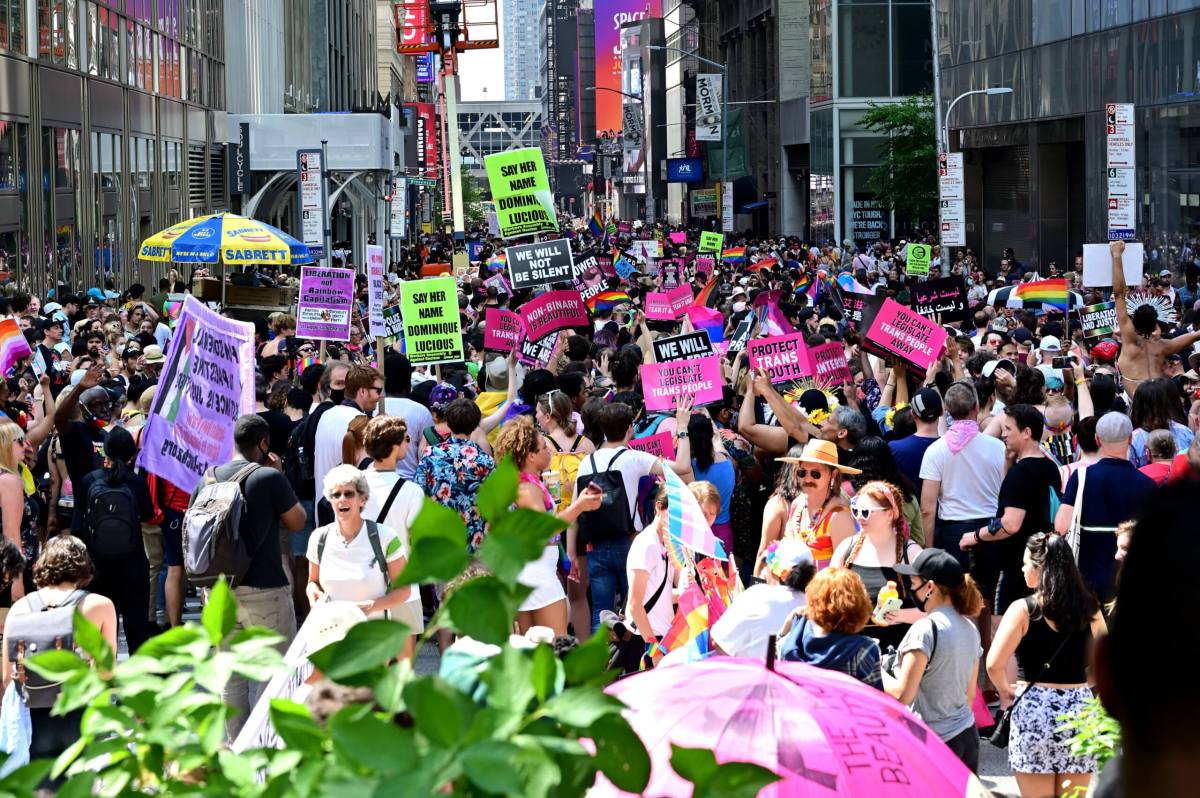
<point x="888" y="601"/>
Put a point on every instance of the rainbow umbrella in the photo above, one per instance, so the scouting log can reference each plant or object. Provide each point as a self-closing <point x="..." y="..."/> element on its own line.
<point x="823" y="733"/>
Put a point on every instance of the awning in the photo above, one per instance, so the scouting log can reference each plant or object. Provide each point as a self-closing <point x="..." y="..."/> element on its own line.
<point x="753" y="205"/>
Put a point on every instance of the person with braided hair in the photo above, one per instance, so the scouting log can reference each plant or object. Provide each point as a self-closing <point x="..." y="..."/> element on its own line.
<point x="873" y="553"/>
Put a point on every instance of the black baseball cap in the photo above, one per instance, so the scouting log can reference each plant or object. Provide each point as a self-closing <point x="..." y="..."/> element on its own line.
<point x="927" y="404"/>
<point x="935" y="565"/>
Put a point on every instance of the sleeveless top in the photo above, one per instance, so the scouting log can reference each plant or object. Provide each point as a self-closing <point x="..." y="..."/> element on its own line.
<point x="1039" y="644"/>
<point x="547" y="499"/>
<point x="875" y="579"/>
<point x="814" y="531"/>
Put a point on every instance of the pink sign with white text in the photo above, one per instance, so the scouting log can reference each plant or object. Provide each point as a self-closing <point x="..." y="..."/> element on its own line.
<point x="909" y="335"/>
<point x="503" y="330"/>
<point x="552" y="311"/>
<point x="668" y="305"/>
<point x="783" y="357"/>
<point x="678" y="238"/>
<point x="660" y="445"/>
<point x="704" y="264"/>
<point x="664" y="383"/>
<point x="829" y="364"/>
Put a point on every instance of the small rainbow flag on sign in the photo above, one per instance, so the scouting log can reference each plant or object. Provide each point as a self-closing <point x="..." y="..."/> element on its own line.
<point x="304" y="362"/>
<point x="498" y="262"/>
<point x="1044" y="292"/>
<point x="13" y="346"/>
<point x="607" y="300"/>
<point x="596" y="224"/>
<point x="735" y="255"/>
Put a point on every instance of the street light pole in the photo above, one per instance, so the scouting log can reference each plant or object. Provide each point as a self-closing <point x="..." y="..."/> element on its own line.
<point x="945" y="131"/>
<point x="645" y="163"/>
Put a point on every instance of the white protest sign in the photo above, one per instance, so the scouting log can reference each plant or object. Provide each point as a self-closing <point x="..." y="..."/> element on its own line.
<point x="1097" y="265"/>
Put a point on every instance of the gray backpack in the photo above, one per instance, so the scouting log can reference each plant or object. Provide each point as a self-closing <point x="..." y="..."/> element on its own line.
<point x="45" y="627"/>
<point x="213" y="544"/>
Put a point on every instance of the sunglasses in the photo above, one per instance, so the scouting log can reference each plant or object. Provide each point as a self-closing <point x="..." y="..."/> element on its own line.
<point x="863" y="513"/>
<point x="810" y="473"/>
<point x="343" y="494"/>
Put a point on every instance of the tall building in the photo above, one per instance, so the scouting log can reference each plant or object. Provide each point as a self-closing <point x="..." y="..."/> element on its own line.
<point x="561" y="102"/>
<point x="396" y="73"/>
<point x="486" y="128"/>
<point x="522" y="65"/>
<point x="1036" y="160"/>
<point x="342" y="48"/>
<point x="121" y="113"/>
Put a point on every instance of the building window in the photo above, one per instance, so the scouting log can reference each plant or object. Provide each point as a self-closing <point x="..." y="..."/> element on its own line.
<point x="862" y="43"/>
<point x="12" y="26"/>
<point x="8" y="155"/>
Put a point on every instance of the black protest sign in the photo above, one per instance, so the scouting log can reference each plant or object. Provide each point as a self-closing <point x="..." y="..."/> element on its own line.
<point x="861" y="309"/>
<point x="589" y="276"/>
<point x="537" y="353"/>
<point x="543" y="263"/>
<point x="741" y="335"/>
<point x="1098" y="321"/>
<point x="946" y="296"/>
<point x="682" y="347"/>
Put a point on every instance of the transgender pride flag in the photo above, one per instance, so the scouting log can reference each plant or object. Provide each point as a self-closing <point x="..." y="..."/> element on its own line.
<point x="686" y="524"/>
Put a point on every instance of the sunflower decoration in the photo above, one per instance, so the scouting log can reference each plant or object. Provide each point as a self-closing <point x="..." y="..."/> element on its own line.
<point x="815" y="417"/>
<point x="889" y="419"/>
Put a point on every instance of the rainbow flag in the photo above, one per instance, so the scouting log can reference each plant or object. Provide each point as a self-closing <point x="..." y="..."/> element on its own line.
<point x="735" y="255"/>
<point x="171" y="309"/>
<point x="596" y="224"/>
<point x="607" y="300"/>
<point x="304" y="362"/>
<point x="691" y="625"/>
<point x="1044" y="292"/>
<point x="708" y="296"/>
<point x="497" y="263"/>
<point x="765" y="263"/>
<point x="801" y="285"/>
<point x="13" y="346"/>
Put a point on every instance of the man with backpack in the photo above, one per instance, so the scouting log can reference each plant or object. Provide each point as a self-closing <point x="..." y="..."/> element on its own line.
<point x="618" y="471"/>
<point x="262" y="589"/>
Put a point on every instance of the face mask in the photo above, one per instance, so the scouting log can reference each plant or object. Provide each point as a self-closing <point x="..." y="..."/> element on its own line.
<point x="337" y="395"/>
<point x="91" y="418"/>
<point x="921" y="602"/>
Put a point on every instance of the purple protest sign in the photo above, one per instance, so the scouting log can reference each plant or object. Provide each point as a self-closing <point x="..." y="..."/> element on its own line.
<point x="326" y="298"/>
<point x="552" y="311"/>
<point x="664" y="383"/>
<point x="208" y="382"/>
<point x="503" y="330"/>
<point x="783" y="357"/>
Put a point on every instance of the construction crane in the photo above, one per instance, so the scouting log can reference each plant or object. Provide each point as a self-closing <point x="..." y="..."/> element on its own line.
<point x="447" y="28"/>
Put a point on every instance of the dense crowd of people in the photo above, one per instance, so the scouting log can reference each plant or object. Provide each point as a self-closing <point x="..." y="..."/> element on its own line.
<point x="952" y="536"/>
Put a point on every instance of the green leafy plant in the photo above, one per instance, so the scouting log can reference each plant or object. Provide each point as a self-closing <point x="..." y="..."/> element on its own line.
<point x="906" y="177"/>
<point x="533" y="723"/>
<point x="1095" y="734"/>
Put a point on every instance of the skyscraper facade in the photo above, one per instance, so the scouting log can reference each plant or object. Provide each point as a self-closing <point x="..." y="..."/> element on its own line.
<point x="522" y="57"/>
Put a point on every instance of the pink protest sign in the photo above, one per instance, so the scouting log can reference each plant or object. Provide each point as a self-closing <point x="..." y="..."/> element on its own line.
<point x="554" y="310"/>
<point x="503" y="330"/>
<point x="660" y="445"/>
<point x="678" y="238"/>
<point x="783" y="357"/>
<point x="606" y="265"/>
<point x="704" y="264"/>
<point x="668" y="305"/>
<point x="829" y="364"/>
<point x="909" y="335"/>
<point x="664" y="383"/>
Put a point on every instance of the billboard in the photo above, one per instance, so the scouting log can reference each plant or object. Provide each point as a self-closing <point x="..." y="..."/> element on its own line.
<point x="610" y="15"/>
<point x="426" y="137"/>
<point x="425" y="68"/>
<point x="685" y="170"/>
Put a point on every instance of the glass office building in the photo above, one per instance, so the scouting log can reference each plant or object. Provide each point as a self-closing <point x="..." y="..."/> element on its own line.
<point x="1035" y="160"/>
<point x="862" y="52"/>
<point x="108" y="118"/>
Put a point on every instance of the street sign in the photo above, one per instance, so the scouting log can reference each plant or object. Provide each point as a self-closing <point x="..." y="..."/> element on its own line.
<point x="311" y="200"/>
<point x="398" y="209"/>
<point x="1120" y="139"/>
<point x="422" y="181"/>
<point x="951" y="192"/>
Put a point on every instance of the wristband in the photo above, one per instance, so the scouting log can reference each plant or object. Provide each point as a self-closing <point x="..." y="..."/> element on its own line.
<point x="977" y="538"/>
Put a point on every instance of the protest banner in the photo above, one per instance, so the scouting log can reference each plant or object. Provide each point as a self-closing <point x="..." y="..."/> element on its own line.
<point x="542" y="263"/>
<point x="664" y="383"/>
<point x="393" y="325"/>
<point x="589" y="278"/>
<point x="1097" y="265"/>
<point x="946" y="296"/>
<point x="625" y="270"/>
<point x="326" y="298"/>
<point x="829" y="364"/>
<point x="661" y="444"/>
<point x="646" y="249"/>
<point x="606" y="265"/>
<point x="909" y="335"/>
<point x="679" y="238"/>
<point x="432" y="332"/>
<point x="783" y="357"/>
<point x="917" y="263"/>
<point x="375" y="289"/>
<point x="668" y="305"/>
<point x="741" y="335"/>
<point x="554" y="310"/>
<point x="206" y="384"/>
<point x="861" y="309"/>
<point x="671" y="271"/>
<point x="1098" y="321"/>
<point x="537" y="353"/>
<point x="711" y="242"/>
<point x="682" y="347"/>
<point x="704" y="265"/>
<point x="521" y="191"/>
<point x="503" y="330"/>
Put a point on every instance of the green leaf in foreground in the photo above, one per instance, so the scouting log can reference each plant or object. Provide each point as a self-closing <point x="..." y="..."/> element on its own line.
<point x="620" y="753"/>
<point x="368" y="645"/>
<point x="220" y="612"/>
<point x="712" y="780"/>
<point x="498" y="491"/>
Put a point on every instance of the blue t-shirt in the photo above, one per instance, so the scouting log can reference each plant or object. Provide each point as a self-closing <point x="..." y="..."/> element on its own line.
<point x="909" y="452"/>
<point x="723" y="477"/>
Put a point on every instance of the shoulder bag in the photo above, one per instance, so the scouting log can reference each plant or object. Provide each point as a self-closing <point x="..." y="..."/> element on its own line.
<point x="1074" y="531"/>
<point x="1003" y="728"/>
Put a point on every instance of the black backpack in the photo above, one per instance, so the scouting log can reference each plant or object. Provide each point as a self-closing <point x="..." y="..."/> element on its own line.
<point x="114" y="520"/>
<point x="298" y="461"/>
<point x="612" y="521"/>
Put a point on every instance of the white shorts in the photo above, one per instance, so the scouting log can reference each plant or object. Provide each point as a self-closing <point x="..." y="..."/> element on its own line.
<point x="542" y="576"/>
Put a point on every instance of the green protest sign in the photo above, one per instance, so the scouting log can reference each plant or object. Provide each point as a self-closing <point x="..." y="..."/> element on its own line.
<point x="432" y="333"/>
<point x="918" y="260"/>
<point x="521" y="190"/>
<point x="711" y="242"/>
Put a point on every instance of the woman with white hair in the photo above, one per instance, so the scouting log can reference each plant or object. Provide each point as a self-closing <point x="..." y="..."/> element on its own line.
<point x="353" y="559"/>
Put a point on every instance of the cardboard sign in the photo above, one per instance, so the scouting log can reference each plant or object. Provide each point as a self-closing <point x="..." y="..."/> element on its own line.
<point x="829" y="364"/>
<point x="1098" y="321"/>
<point x="537" y="353"/>
<point x="946" y="296"/>
<point x="909" y="335"/>
<point x="432" y="332"/>
<point x="1097" y="265"/>
<point x="704" y="265"/>
<point x="711" y="242"/>
<point x="917" y="263"/>
<point x="664" y="383"/>
<point x="783" y="357"/>
<point x="682" y="347"/>
<point x="589" y="278"/>
<point x="661" y="444"/>
<point x="326" y="299"/>
<point x="669" y="305"/>
<point x="625" y="269"/>
<point x="521" y="191"/>
<point x="606" y="265"/>
<point x="543" y="263"/>
<point x="553" y="311"/>
<point x="678" y="238"/>
<point x="503" y="330"/>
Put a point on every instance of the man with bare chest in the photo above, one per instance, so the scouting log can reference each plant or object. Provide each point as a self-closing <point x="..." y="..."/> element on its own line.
<point x="1143" y="350"/>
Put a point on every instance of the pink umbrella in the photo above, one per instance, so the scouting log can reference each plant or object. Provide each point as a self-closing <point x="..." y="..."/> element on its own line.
<point x="824" y="733"/>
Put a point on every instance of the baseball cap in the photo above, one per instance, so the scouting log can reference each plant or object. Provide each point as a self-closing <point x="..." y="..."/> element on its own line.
<point x="990" y="367"/>
<point x="1050" y="344"/>
<point x="927" y="404"/>
<point x="935" y="565"/>
<point x="1165" y="273"/>
<point x="1022" y="335"/>
<point x="1054" y="382"/>
<point x="50" y="307"/>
